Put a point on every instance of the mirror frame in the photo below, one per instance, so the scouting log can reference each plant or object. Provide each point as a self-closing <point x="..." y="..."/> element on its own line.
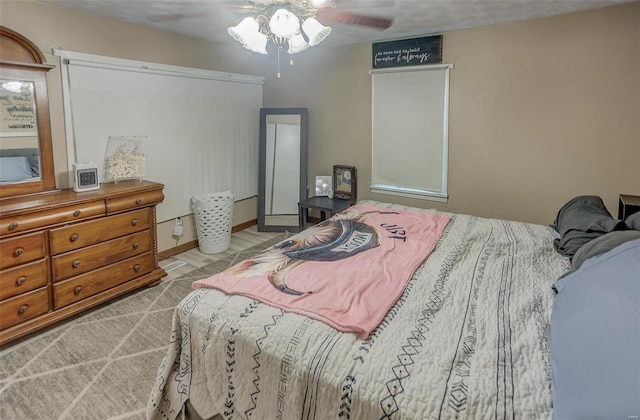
<point x="264" y="113"/>
<point x="21" y="59"/>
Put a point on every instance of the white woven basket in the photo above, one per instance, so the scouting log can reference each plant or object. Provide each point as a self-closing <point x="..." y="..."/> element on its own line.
<point x="213" y="213"/>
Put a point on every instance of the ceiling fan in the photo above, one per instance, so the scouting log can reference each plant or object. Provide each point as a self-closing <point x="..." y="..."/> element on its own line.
<point x="292" y="24"/>
<point x="323" y="10"/>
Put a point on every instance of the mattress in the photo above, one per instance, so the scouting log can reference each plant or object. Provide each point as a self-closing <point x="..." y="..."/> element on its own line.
<point x="467" y="338"/>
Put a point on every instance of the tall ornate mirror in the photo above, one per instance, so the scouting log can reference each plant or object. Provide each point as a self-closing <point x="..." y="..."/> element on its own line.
<point x="26" y="155"/>
<point x="283" y="168"/>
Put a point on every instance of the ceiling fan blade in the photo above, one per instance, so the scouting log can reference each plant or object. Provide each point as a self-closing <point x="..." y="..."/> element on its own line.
<point x="359" y="4"/>
<point x="174" y="16"/>
<point x="339" y="16"/>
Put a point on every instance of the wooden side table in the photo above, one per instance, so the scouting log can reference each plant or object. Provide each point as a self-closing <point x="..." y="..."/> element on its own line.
<point x="627" y="205"/>
<point x="324" y="204"/>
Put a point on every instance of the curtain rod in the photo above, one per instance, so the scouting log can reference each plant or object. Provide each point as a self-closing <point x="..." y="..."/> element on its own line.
<point x="121" y="64"/>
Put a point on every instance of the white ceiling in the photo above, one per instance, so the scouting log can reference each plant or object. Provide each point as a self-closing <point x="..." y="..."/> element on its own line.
<point x="209" y="19"/>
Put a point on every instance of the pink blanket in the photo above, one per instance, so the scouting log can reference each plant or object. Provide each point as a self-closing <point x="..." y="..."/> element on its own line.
<point x="346" y="271"/>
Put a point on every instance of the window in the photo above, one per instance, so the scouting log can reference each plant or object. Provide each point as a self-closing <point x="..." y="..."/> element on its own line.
<point x="410" y="131"/>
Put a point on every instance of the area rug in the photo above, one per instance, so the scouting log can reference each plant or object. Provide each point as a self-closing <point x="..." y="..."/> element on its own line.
<point x="102" y="364"/>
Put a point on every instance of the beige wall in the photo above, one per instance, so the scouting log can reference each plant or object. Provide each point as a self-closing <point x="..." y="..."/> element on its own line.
<point x="541" y="110"/>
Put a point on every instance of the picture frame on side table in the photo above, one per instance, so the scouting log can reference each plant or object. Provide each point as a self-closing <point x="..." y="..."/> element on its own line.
<point x="323" y="186"/>
<point x="345" y="182"/>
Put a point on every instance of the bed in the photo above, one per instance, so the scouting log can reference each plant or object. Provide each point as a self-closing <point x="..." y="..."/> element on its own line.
<point x="467" y="338"/>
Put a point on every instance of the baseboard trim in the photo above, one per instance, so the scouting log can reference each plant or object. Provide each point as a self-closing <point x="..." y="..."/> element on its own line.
<point x="243" y="226"/>
<point x="177" y="249"/>
<point x="194" y="244"/>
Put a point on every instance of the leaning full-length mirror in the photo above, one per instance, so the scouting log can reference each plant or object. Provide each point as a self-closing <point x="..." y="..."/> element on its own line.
<point x="283" y="168"/>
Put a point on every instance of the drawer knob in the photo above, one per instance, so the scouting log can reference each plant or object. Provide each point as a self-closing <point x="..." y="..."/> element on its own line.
<point x="77" y="290"/>
<point x="76" y="264"/>
<point x="74" y="237"/>
<point x="22" y="280"/>
<point x="18" y="252"/>
<point x="77" y="213"/>
<point x="136" y="245"/>
<point x="23" y="309"/>
<point x="13" y="225"/>
<point x="138" y="200"/>
<point x="134" y="222"/>
<point x="136" y="268"/>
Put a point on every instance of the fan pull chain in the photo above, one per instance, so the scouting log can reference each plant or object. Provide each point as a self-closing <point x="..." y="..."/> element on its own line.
<point x="279" y="49"/>
<point x="291" y="49"/>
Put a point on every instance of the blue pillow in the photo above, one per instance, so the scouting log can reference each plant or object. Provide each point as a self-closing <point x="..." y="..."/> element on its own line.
<point x="14" y="169"/>
<point x="602" y="244"/>
<point x="594" y="337"/>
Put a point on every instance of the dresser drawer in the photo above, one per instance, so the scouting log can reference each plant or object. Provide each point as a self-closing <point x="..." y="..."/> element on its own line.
<point x="22" y="249"/>
<point x="118" y="204"/>
<point x="86" y="259"/>
<point x="23" y="307"/>
<point x="89" y="284"/>
<point x="22" y="279"/>
<point x="83" y="234"/>
<point x="50" y="217"/>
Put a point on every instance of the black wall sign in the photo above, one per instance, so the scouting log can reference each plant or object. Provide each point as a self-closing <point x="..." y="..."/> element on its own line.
<point x="408" y="52"/>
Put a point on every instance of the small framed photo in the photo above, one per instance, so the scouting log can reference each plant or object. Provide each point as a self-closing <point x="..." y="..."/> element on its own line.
<point x="345" y="182"/>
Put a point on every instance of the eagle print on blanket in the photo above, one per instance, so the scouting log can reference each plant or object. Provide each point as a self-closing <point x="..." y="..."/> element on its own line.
<point x="331" y="240"/>
<point x="346" y="271"/>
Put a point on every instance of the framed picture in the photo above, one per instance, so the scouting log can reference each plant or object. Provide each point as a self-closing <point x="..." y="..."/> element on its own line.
<point x="323" y="186"/>
<point x="345" y="182"/>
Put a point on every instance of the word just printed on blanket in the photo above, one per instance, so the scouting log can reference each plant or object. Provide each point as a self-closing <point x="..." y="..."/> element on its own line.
<point x="346" y="271"/>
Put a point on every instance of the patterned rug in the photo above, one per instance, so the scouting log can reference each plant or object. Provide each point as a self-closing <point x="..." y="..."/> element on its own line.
<point x="102" y="364"/>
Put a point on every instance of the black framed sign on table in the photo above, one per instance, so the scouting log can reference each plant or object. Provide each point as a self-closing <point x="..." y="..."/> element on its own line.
<point x="345" y="182"/>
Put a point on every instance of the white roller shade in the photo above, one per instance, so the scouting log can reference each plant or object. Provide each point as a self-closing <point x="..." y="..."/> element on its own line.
<point x="410" y="119"/>
<point x="202" y="126"/>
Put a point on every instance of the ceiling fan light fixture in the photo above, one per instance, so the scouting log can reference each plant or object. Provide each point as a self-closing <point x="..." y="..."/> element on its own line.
<point x="297" y="44"/>
<point x="319" y="4"/>
<point x="257" y="43"/>
<point x="245" y="30"/>
<point x="315" y="31"/>
<point x="284" y="24"/>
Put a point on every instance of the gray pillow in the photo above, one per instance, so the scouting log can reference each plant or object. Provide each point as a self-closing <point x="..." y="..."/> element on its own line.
<point x="633" y="221"/>
<point x="602" y="244"/>
<point x="581" y="220"/>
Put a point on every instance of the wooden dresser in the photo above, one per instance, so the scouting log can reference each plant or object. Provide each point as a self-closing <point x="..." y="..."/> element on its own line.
<point x="63" y="252"/>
